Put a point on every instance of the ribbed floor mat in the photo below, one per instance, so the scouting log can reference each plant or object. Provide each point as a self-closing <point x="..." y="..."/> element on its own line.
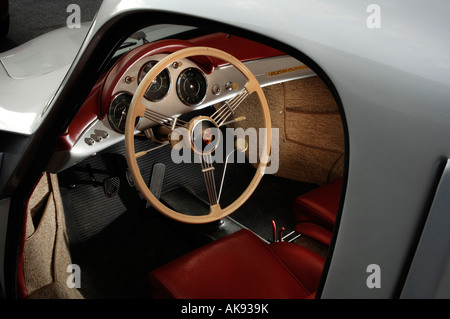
<point x="87" y="208"/>
<point x="83" y="182"/>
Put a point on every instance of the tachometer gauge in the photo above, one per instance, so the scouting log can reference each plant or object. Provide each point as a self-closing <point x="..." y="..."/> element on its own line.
<point x="118" y="109"/>
<point x="191" y="87"/>
<point x="159" y="87"/>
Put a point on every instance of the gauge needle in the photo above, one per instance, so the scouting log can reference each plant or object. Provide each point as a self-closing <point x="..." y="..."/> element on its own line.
<point x="121" y="118"/>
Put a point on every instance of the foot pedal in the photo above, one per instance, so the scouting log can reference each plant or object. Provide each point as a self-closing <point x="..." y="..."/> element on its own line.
<point x="156" y="181"/>
<point x="111" y="186"/>
<point x="129" y="178"/>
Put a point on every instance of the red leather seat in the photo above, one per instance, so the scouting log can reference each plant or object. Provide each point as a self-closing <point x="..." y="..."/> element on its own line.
<point x="240" y="266"/>
<point x="315" y="231"/>
<point x="315" y="212"/>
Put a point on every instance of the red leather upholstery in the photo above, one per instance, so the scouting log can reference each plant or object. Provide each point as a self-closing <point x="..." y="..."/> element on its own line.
<point x="304" y="264"/>
<point x="315" y="211"/>
<point x="315" y="231"/>
<point x="240" y="266"/>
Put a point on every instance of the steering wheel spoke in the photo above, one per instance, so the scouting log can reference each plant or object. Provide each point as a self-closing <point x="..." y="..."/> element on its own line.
<point x="229" y="107"/>
<point x="208" y="175"/>
<point x="168" y="121"/>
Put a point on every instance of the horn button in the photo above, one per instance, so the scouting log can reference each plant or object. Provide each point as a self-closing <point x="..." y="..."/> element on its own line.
<point x="204" y="135"/>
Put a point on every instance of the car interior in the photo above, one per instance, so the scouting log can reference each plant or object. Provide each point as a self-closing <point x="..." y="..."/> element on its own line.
<point x="99" y="226"/>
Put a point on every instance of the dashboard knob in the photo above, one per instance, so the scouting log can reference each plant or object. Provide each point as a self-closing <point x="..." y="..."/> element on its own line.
<point x="216" y="89"/>
<point x="90" y="141"/>
<point x="231" y="86"/>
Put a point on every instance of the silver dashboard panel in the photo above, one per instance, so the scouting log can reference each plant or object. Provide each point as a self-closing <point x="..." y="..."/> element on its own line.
<point x="100" y="135"/>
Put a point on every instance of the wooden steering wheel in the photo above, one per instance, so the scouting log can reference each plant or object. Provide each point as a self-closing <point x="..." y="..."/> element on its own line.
<point x="138" y="109"/>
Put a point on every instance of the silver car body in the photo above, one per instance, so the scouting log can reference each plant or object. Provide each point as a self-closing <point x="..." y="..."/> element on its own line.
<point x="393" y="82"/>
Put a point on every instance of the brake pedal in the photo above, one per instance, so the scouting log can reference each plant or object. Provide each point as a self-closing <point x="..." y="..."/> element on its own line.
<point x="111" y="186"/>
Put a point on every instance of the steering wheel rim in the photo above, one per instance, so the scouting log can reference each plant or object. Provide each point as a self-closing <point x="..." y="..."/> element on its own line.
<point x="137" y="109"/>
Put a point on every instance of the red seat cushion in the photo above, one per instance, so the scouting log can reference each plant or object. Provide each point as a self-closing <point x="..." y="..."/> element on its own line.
<point x="320" y="205"/>
<point x="240" y="266"/>
<point x="304" y="264"/>
<point x="315" y="231"/>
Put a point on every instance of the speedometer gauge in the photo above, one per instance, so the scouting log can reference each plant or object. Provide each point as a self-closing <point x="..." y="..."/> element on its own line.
<point x="191" y="87"/>
<point x="159" y="87"/>
<point x="118" y="109"/>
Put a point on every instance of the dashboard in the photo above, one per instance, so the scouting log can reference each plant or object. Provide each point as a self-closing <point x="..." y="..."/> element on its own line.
<point x="184" y="86"/>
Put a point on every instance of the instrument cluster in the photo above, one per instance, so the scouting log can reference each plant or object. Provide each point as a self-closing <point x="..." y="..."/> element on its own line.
<point x="182" y="83"/>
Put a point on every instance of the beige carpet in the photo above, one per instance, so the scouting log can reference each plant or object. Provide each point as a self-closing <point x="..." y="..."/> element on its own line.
<point x="311" y="136"/>
<point x="46" y="252"/>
